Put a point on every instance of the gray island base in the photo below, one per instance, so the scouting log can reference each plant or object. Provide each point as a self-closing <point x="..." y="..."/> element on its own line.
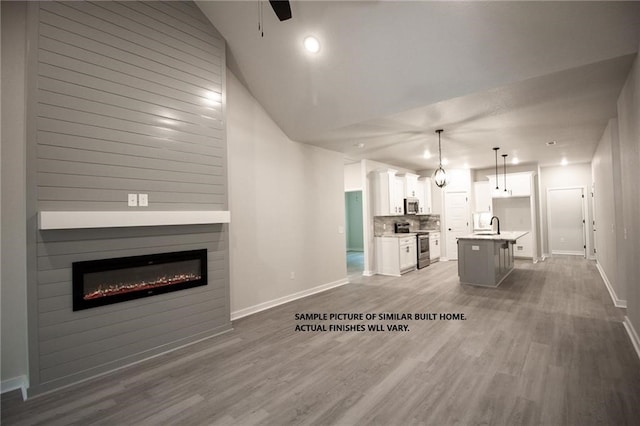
<point x="486" y="260"/>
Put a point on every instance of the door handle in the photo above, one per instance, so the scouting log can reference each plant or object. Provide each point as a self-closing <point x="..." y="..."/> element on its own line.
<point x="449" y="229"/>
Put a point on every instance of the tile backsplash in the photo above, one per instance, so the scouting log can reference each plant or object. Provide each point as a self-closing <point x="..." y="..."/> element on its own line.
<point x="384" y="224"/>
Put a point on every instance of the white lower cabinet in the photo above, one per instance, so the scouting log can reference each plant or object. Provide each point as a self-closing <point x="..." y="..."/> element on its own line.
<point x="434" y="246"/>
<point x="395" y="255"/>
<point x="524" y="247"/>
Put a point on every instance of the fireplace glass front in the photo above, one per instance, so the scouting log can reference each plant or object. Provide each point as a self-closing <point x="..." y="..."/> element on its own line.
<point x="107" y="281"/>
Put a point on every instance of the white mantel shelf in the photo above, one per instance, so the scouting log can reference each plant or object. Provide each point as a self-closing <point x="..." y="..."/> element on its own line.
<point x="49" y="220"/>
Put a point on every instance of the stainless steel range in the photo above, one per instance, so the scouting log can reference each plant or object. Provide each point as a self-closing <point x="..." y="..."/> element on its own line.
<point x="423" y="249"/>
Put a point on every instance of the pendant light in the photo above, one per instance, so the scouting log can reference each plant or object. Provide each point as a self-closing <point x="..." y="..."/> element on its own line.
<point x="504" y="162"/>
<point x="505" y="193"/>
<point x="440" y="176"/>
<point x="495" y="149"/>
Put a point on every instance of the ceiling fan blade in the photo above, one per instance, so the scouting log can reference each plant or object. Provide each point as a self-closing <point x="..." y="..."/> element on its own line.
<point x="282" y="8"/>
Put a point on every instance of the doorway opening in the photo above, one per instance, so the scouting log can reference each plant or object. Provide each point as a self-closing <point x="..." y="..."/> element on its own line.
<point x="567" y="222"/>
<point x="354" y="232"/>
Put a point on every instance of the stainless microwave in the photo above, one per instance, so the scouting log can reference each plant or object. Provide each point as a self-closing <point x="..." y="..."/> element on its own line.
<point x="411" y="206"/>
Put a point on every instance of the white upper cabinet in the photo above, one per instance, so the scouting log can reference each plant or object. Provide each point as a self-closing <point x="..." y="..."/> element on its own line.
<point x="424" y="195"/>
<point x="410" y="185"/>
<point x="388" y="191"/>
<point x="482" y="193"/>
<point x="398" y="194"/>
<point x="519" y="184"/>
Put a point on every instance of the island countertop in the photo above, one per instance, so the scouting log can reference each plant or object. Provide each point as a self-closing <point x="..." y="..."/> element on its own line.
<point x="511" y="236"/>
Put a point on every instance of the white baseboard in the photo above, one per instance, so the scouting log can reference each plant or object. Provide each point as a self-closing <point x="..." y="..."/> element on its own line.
<point x="368" y="273"/>
<point x="282" y="300"/>
<point x="619" y="303"/>
<point x="19" y="382"/>
<point x="633" y="335"/>
<point x="568" y="253"/>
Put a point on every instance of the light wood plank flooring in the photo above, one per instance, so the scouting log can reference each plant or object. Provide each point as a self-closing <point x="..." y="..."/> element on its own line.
<point x="546" y="347"/>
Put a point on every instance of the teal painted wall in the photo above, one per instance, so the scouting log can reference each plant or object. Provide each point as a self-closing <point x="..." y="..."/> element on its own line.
<point x="353" y="207"/>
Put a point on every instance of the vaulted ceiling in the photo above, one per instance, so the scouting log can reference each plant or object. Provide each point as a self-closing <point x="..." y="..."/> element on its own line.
<point x="389" y="73"/>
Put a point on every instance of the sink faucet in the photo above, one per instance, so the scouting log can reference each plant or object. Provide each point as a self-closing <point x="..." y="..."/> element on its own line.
<point x="498" y="220"/>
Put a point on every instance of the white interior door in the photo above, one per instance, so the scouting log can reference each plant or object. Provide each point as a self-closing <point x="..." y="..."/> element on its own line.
<point x="456" y="220"/>
<point x="565" y="214"/>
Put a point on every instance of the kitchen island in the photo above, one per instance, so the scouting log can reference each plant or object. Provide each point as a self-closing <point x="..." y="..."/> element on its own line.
<point x="486" y="259"/>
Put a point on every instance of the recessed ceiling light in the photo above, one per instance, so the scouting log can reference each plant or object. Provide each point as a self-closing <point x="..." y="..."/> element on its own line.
<point x="515" y="160"/>
<point x="551" y="143"/>
<point x="564" y="162"/>
<point x="426" y="154"/>
<point x="312" y="44"/>
<point x="359" y="145"/>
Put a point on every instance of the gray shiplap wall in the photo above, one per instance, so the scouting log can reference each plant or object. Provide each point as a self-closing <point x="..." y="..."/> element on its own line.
<point x="129" y="100"/>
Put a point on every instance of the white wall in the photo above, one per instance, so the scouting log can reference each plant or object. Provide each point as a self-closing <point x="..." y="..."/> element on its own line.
<point x="606" y="210"/>
<point x="287" y="205"/>
<point x="629" y="157"/>
<point x="353" y="177"/>
<point x="562" y="177"/>
<point x="13" y="194"/>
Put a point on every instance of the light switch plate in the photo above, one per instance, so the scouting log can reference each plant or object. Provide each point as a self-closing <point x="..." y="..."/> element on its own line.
<point x="132" y="200"/>
<point x="143" y="200"/>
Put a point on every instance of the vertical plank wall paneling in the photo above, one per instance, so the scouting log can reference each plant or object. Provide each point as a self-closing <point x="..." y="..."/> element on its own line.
<point x="129" y="100"/>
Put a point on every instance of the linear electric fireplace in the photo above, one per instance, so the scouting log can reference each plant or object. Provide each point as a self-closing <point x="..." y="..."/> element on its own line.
<point x="107" y="281"/>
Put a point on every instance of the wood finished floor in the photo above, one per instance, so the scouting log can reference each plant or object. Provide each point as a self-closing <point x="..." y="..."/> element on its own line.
<point x="546" y="347"/>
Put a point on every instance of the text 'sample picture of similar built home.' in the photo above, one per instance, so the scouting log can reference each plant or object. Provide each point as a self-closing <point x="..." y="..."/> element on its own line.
<point x="320" y="213"/>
